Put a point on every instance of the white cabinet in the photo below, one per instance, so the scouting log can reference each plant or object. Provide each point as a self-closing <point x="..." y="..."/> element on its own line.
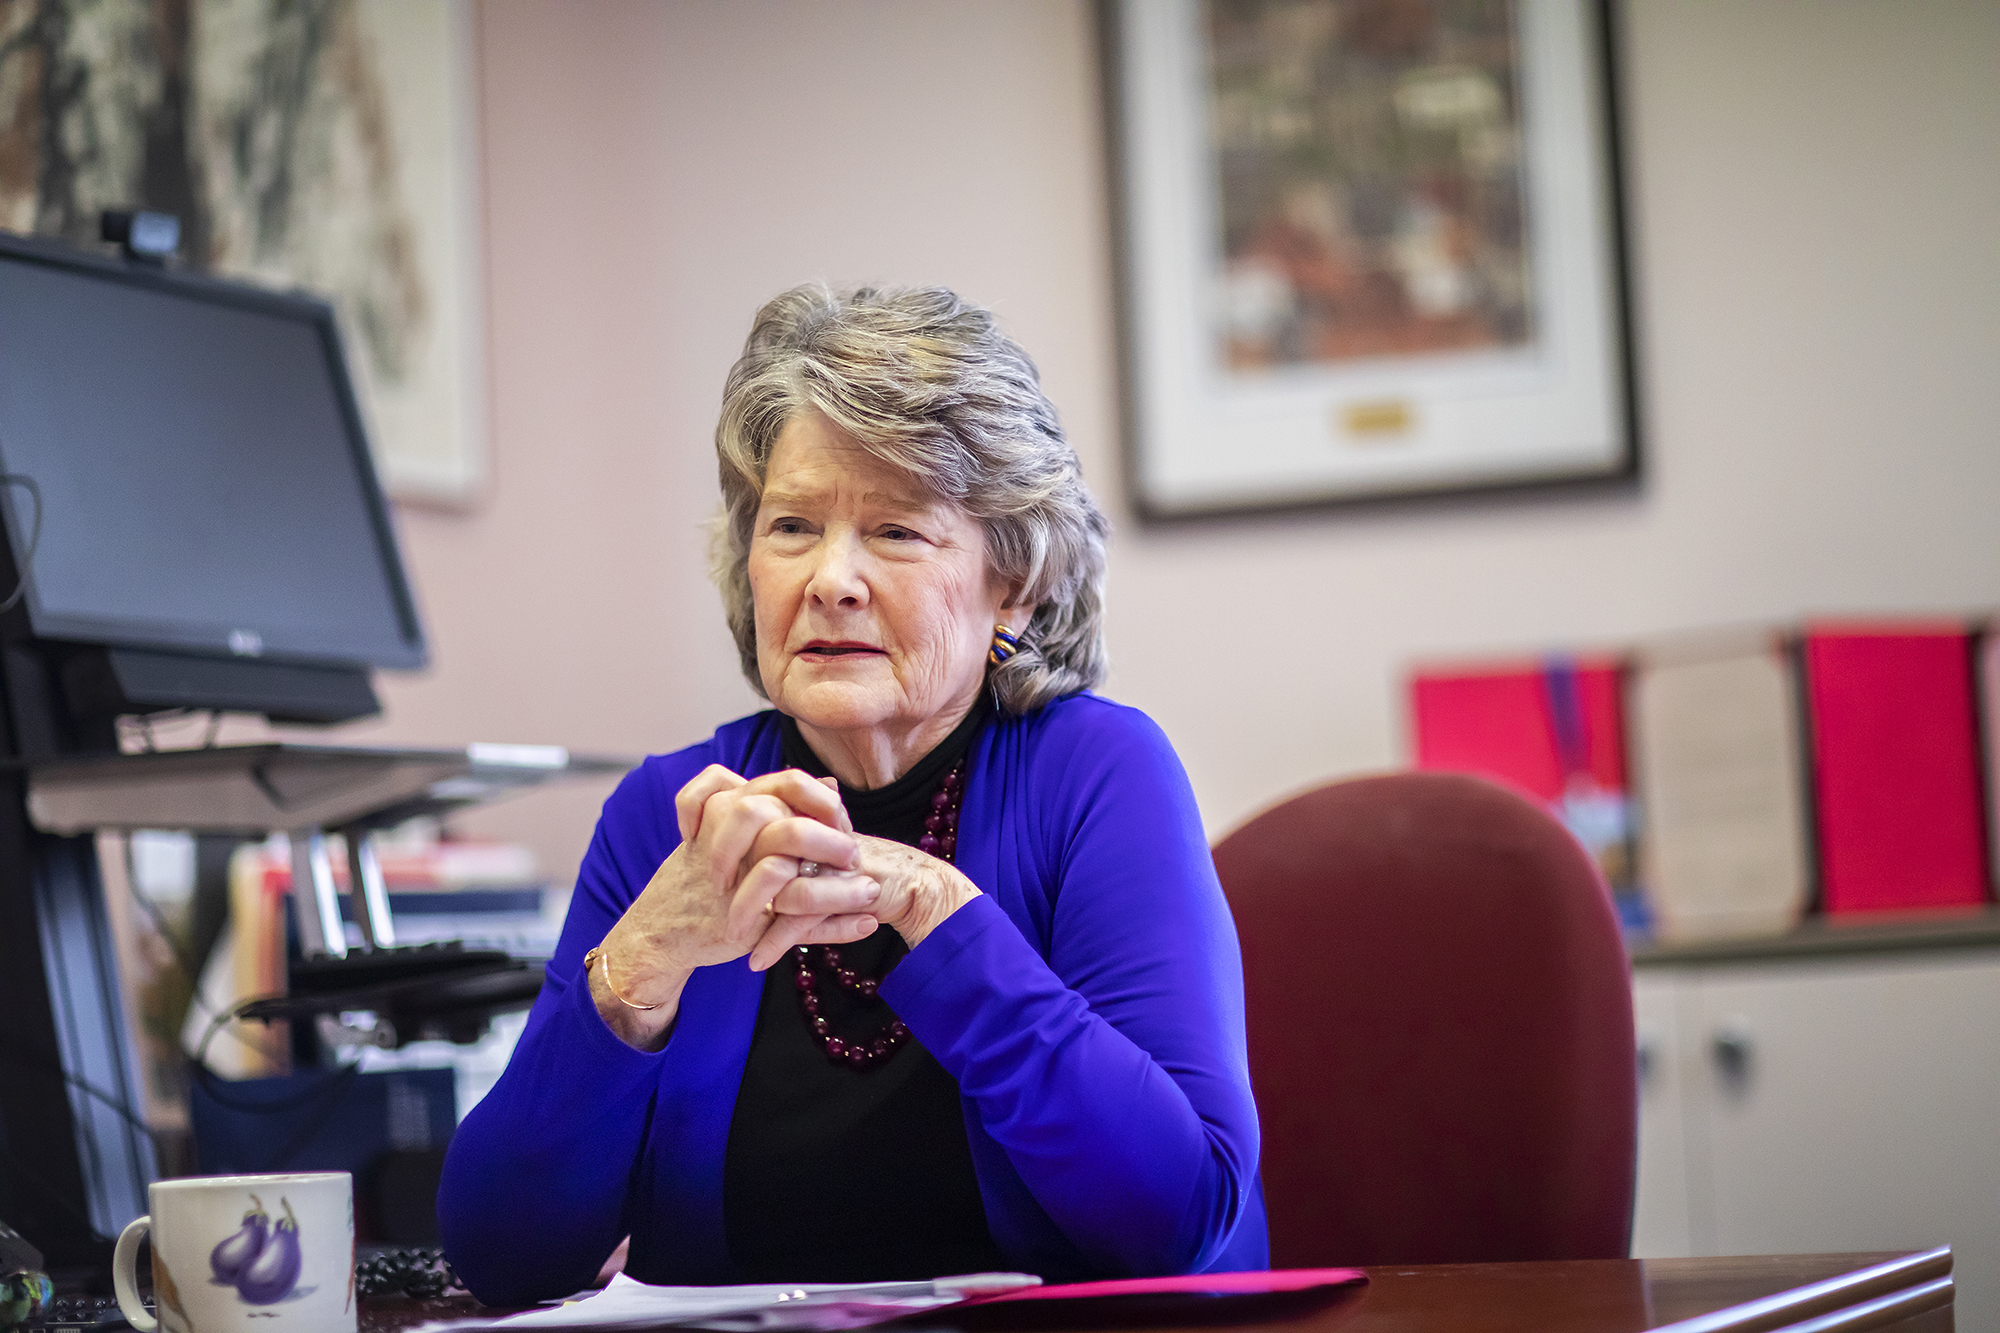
<point x="1824" y="1103"/>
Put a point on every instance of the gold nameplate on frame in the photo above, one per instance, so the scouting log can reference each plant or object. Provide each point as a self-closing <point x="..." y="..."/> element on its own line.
<point x="1383" y="421"/>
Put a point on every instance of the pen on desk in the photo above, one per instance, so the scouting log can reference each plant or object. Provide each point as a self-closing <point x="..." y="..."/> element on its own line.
<point x="958" y="1287"/>
<point x="874" y="1291"/>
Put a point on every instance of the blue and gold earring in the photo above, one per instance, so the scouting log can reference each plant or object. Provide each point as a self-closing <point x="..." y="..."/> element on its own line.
<point x="1005" y="644"/>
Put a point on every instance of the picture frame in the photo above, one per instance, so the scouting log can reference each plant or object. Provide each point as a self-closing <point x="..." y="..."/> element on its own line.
<point x="1368" y="250"/>
<point x="428" y="415"/>
<point x="335" y="151"/>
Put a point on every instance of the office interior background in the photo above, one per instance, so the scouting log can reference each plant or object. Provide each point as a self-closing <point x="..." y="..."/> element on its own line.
<point x="1812" y="196"/>
<point x="1813" y="200"/>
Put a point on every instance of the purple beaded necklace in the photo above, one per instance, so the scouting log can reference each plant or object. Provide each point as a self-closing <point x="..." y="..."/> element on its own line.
<point x="940" y="839"/>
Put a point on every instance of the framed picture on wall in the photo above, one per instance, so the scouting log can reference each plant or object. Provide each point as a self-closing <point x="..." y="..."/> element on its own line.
<point x="331" y="147"/>
<point x="1370" y="249"/>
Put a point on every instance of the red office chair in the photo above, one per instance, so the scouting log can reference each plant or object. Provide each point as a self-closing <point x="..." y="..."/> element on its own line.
<point x="1440" y="1020"/>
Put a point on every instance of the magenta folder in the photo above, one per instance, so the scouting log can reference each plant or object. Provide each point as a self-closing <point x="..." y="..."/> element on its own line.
<point x="1156" y="1302"/>
<point x="1202" y="1284"/>
<point x="1499" y="721"/>
<point x="1895" y="738"/>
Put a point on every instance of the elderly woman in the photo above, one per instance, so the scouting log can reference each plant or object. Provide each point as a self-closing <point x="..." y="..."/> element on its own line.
<point x="926" y="970"/>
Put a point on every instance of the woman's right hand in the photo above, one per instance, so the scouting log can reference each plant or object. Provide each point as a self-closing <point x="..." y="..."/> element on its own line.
<point x="742" y="842"/>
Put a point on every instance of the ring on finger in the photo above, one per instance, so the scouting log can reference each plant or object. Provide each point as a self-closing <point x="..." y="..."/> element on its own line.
<point x="808" y="869"/>
<point x="771" y="908"/>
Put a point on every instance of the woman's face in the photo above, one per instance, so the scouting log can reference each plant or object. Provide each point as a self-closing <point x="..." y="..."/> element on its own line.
<point x="873" y="605"/>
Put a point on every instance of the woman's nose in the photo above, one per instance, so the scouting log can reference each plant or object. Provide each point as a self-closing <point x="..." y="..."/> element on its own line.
<point x="837" y="579"/>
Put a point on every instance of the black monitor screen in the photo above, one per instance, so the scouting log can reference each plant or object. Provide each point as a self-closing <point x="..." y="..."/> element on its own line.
<point x="204" y="478"/>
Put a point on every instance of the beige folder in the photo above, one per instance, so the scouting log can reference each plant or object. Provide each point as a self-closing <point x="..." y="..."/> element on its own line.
<point x="1719" y="765"/>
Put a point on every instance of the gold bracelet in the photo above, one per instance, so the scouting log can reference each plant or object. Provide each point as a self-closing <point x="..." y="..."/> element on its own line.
<point x="590" y="960"/>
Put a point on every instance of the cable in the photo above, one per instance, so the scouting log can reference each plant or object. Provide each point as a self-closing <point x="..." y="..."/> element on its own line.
<point x="28" y="484"/>
<point x="199" y="1059"/>
<point x="178" y="949"/>
<point x="89" y="1089"/>
<point x="19" y="1170"/>
<point x="327" y="1092"/>
<point x="211" y="1081"/>
<point x="175" y="945"/>
<point x="145" y="729"/>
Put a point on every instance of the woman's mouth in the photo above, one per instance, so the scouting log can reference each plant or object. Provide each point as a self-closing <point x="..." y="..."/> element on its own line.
<point x="831" y="652"/>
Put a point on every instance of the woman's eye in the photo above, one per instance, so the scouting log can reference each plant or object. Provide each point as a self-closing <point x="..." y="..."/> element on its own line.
<point x="896" y="534"/>
<point x="788" y="527"/>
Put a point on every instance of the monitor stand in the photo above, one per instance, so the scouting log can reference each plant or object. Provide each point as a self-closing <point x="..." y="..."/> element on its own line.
<point x="78" y="1156"/>
<point x="117" y="681"/>
<point x="75" y="1154"/>
<point x="75" y="1158"/>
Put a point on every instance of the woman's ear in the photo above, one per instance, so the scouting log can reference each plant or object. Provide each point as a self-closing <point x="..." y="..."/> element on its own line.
<point x="1019" y="612"/>
<point x="1014" y="610"/>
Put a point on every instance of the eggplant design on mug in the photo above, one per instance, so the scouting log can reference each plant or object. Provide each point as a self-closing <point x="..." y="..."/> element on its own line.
<point x="261" y="1262"/>
<point x="232" y="1256"/>
<point x="275" y="1271"/>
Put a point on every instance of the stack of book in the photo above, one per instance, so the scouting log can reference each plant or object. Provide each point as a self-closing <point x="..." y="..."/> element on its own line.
<point x="1847" y="767"/>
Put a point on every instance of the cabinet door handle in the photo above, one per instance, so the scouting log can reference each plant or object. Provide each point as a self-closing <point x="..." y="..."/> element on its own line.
<point x="1731" y="1049"/>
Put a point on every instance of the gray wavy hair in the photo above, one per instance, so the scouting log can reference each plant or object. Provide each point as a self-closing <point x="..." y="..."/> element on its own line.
<point x="926" y="382"/>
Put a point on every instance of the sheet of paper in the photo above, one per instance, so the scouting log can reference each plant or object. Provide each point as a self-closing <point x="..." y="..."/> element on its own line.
<point x="756" y="1308"/>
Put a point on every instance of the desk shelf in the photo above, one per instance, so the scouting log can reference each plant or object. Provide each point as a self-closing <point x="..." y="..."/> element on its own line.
<point x="305" y="791"/>
<point x="287" y="788"/>
<point x="1831" y="937"/>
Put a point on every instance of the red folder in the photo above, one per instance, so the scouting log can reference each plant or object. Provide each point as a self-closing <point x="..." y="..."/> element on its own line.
<point x="1895" y="764"/>
<point x="1554" y="729"/>
<point x="1502" y="722"/>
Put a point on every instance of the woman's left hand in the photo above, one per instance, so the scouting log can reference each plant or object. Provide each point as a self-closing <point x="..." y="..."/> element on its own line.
<point x="918" y="892"/>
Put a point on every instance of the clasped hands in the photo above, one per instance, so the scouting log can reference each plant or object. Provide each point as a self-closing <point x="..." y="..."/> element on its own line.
<point x="733" y="887"/>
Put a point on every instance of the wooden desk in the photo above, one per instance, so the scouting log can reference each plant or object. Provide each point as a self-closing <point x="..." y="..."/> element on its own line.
<point x="1816" y="1293"/>
<point x="1820" y="1292"/>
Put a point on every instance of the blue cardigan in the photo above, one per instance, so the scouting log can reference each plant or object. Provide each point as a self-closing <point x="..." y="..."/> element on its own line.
<point x="1089" y="1004"/>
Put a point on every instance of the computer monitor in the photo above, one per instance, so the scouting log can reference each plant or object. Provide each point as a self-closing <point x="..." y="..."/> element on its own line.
<point x="193" y="520"/>
<point x="212" y="532"/>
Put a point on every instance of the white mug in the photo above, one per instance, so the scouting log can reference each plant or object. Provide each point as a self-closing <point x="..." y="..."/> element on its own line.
<point x="233" y="1254"/>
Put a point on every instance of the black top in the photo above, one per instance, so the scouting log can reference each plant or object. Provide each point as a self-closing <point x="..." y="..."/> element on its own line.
<point x="840" y="1175"/>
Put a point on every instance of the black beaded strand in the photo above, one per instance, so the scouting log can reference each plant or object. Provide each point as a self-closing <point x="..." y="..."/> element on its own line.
<point x="940" y="839"/>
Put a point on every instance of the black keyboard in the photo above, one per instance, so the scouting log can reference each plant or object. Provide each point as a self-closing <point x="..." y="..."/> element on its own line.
<point x="79" y="1314"/>
<point x="418" y="978"/>
<point x="370" y="969"/>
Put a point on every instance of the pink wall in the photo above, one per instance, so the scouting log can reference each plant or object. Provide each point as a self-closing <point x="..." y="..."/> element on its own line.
<point x="1814" y="190"/>
<point x="653" y="173"/>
